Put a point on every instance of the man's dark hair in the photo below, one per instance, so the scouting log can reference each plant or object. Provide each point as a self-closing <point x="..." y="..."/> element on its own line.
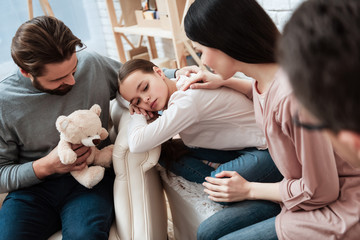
<point x="42" y="40"/>
<point x="240" y="28"/>
<point x="320" y="51"/>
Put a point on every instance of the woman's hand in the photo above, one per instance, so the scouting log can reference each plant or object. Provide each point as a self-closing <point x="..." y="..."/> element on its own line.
<point x="228" y="186"/>
<point x="203" y="79"/>
<point x="187" y="71"/>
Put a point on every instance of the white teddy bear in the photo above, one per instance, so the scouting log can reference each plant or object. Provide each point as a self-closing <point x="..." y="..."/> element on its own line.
<point x="84" y="127"/>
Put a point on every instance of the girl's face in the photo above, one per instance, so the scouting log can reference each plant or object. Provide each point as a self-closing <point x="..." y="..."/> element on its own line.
<point x="219" y="62"/>
<point x="148" y="91"/>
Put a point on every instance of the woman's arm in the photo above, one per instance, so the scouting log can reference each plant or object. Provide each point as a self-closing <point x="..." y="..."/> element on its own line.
<point x="243" y="86"/>
<point x="318" y="184"/>
<point x="229" y="186"/>
<point x="208" y="80"/>
<point x="306" y="157"/>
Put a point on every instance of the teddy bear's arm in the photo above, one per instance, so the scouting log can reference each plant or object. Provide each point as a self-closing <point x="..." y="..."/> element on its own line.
<point x="66" y="154"/>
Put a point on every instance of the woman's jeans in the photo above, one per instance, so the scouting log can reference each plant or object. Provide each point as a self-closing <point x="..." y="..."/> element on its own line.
<point x="251" y="220"/>
<point x="248" y="220"/>
<point x="59" y="203"/>
<point x="252" y="164"/>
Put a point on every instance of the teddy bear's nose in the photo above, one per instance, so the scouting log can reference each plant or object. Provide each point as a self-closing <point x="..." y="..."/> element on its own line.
<point x="96" y="141"/>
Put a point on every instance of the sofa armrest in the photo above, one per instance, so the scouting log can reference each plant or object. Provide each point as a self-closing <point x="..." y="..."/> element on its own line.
<point x="140" y="210"/>
<point x="2" y="198"/>
<point x="115" y="111"/>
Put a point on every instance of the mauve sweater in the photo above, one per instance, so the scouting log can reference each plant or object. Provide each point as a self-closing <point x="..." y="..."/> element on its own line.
<point x="320" y="192"/>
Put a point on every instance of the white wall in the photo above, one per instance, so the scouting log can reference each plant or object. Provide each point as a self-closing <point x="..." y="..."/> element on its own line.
<point x="80" y="16"/>
<point x="278" y="10"/>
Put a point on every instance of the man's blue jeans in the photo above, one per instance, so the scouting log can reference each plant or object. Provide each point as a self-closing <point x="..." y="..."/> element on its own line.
<point x="252" y="164"/>
<point x="59" y="203"/>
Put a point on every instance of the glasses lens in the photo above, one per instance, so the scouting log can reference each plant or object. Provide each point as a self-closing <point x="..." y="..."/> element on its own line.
<point x="79" y="48"/>
<point x="307" y="126"/>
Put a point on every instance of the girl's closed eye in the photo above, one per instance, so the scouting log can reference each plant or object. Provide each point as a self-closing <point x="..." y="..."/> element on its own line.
<point x="146" y="87"/>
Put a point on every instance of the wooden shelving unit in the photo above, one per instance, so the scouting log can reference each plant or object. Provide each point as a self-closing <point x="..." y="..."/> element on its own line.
<point x="169" y="26"/>
<point x="45" y="6"/>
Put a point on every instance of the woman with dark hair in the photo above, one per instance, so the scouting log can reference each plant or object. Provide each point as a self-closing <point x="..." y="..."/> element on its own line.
<point x="241" y="29"/>
<point x="319" y="191"/>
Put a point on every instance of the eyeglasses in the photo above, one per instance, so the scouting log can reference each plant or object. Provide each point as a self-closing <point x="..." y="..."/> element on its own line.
<point x="80" y="48"/>
<point x="308" y="126"/>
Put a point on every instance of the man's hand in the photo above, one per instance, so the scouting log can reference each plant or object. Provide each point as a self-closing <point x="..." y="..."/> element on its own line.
<point x="51" y="163"/>
<point x="203" y="79"/>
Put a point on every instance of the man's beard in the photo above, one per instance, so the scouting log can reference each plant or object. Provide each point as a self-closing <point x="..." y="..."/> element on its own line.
<point x="61" y="90"/>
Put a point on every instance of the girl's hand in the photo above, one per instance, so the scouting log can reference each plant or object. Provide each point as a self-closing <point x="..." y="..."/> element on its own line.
<point x="203" y="79"/>
<point x="149" y="115"/>
<point x="228" y="186"/>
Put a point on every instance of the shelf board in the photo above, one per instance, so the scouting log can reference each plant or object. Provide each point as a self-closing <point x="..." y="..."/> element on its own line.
<point x="145" y="31"/>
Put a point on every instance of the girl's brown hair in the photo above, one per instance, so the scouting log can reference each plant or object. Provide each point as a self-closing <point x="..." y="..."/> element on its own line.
<point x="135" y="65"/>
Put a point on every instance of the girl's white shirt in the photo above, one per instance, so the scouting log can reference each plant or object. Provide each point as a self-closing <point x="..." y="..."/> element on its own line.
<point x="220" y="119"/>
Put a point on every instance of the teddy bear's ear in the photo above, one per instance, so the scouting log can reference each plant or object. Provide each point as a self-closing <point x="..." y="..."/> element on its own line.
<point x="96" y="109"/>
<point x="61" y="123"/>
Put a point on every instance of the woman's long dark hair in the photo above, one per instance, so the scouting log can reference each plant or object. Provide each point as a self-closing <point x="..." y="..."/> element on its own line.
<point x="240" y="28"/>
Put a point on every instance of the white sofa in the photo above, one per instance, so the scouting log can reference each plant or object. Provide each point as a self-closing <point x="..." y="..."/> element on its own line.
<point x="139" y="186"/>
<point x="140" y="209"/>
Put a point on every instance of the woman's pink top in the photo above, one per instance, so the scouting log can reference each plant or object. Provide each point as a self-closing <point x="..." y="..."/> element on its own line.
<point x="320" y="192"/>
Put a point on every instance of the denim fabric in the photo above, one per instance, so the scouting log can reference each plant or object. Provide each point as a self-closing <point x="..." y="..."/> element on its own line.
<point x="59" y="203"/>
<point x="250" y="220"/>
<point x="252" y="164"/>
<point x="264" y="230"/>
<point x="191" y="167"/>
<point x="240" y="220"/>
